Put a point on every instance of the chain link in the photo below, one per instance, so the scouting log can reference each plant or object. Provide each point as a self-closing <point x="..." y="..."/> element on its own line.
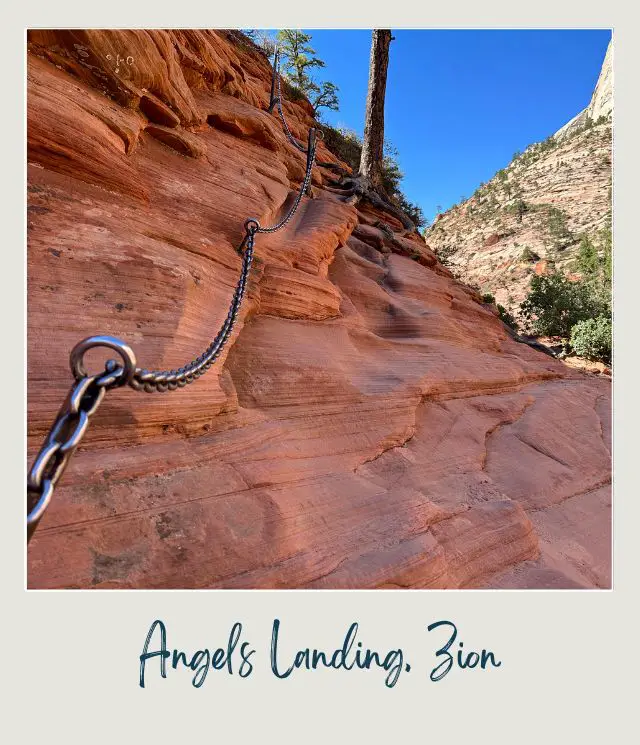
<point x="151" y="381"/>
<point x="88" y="391"/>
<point x="168" y="380"/>
<point x="287" y="131"/>
<point x="66" y="433"/>
<point x="276" y="100"/>
<point x="311" y="154"/>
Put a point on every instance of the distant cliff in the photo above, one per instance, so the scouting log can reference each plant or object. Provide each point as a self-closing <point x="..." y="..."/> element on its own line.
<point x="601" y="104"/>
<point x="534" y="211"/>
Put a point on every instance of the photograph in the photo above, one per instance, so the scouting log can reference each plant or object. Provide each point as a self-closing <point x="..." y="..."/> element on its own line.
<point x="319" y="309"/>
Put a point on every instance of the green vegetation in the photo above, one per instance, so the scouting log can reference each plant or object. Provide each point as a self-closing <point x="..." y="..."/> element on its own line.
<point x="444" y="254"/>
<point x="581" y="310"/>
<point x="298" y="57"/>
<point x="324" y="96"/>
<point x="412" y="211"/>
<point x="507" y="317"/>
<point x="518" y="207"/>
<point x="557" y="228"/>
<point x="591" y="338"/>
<point x="505" y="178"/>
<point x="344" y="143"/>
<point x="587" y="261"/>
<point x="298" y="60"/>
<point x="554" y="305"/>
<point x="261" y="39"/>
<point x="597" y="270"/>
<point x="347" y="145"/>
<point x="528" y="255"/>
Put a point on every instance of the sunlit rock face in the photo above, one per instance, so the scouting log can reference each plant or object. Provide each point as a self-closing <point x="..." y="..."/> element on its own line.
<point x="601" y="104"/>
<point x="370" y="424"/>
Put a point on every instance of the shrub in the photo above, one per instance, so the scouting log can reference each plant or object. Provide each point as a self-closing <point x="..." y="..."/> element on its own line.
<point x="487" y="297"/>
<point x="413" y="211"/>
<point x="261" y="38"/>
<point x="343" y="143"/>
<point x="607" y="256"/>
<point x="587" y="261"/>
<point x="557" y="228"/>
<point x="594" y="262"/>
<point x="591" y="338"/>
<point x="519" y="207"/>
<point x="507" y="317"/>
<point x="555" y="304"/>
<point x="391" y="173"/>
<point x="528" y="255"/>
<point x="444" y="254"/>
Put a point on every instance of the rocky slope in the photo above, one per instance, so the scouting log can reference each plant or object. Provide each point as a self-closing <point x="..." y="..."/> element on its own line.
<point x="372" y="423"/>
<point x="533" y="212"/>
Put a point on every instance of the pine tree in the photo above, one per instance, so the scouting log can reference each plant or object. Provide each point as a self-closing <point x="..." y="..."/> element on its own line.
<point x="298" y="58"/>
<point x="324" y="96"/>
<point x="373" y="145"/>
<point x="588" y="262"/>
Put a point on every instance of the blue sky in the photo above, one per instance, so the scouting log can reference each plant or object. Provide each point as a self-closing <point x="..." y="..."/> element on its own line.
<point x="460" y="103"/>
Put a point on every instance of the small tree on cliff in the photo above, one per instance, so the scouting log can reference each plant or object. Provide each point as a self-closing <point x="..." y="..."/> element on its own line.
<point x="324" y="96"/>
<point x="299" y="57"/>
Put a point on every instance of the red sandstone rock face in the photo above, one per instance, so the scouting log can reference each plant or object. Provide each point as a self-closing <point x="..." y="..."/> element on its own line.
<point x="371" y="423"/>
<point x="492" y="240"/>
<point x="541" y="267"/>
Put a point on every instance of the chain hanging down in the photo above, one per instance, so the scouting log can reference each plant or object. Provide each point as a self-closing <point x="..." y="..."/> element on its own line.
<point x="156" y="380"/>
<point x="70" y="426"/>
<point x="276" y="100"/>
<point x="88" y="391"/>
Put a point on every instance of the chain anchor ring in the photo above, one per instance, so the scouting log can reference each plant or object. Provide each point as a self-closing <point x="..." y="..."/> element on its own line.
<point x="114" y="376"/>
<point x="88" y="391"/>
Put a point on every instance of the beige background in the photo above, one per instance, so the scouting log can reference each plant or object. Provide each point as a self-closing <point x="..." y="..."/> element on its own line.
<point x="70" y="659"/>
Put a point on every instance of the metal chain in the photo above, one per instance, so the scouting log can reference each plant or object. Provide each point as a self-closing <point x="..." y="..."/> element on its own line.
<point x="274" y="78"/>
<point x="88" y="391"/>
<point x="168" y="380"/>
<point x="276" y="100"/>
<point x="291" y="138"/>
<point x="71" y="423"/>
<point x="314" y="134"/>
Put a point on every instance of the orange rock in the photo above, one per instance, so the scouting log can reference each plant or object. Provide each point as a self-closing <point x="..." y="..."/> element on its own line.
<point x="492" y="240"/>
<point x="370" y="423"/>
<point x="541" y="267"/>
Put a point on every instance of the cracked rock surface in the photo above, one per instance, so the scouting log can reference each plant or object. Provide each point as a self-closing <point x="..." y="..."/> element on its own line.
<point x="370" y="424"/>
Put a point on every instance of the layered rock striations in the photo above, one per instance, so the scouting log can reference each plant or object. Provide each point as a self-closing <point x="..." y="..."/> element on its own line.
<point x="371" y="423"/>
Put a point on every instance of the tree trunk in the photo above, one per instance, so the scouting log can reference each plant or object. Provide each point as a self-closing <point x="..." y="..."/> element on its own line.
<point x="373" y="145"/>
